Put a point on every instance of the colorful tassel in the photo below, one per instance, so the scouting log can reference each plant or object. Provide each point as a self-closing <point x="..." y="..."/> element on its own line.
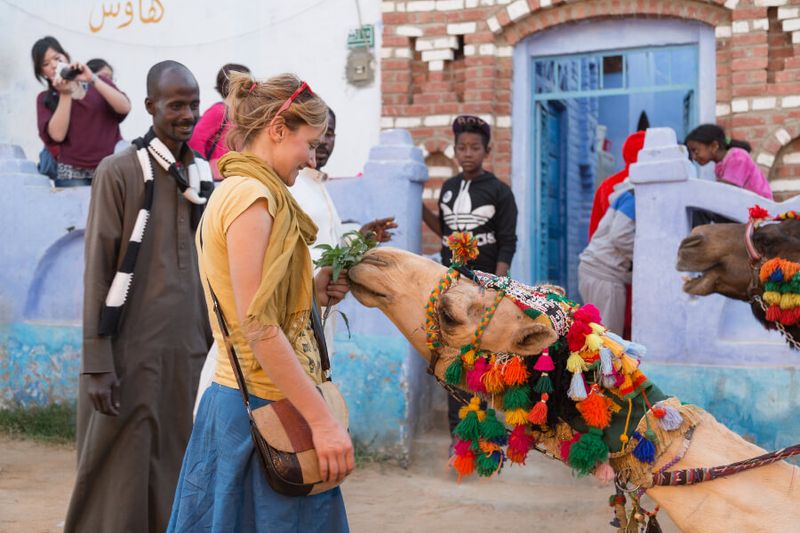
<point x="514" y="372"/>
<point x="606" y="362"/>
<point x="475" y="375"/>
<point x="491" y="429"/>
<point x="516" y="417"/>
<point x="464" y="460"/>
<point x="493" y="378"/>
<point x="604" y="473"/>
<point x="538" y="414"/>
<point x="629" y="365"/>
<point x="566" y="445"/>
<point x="588" y="451"/>
<point x="455" y="372"/>
<point x="594" y="342"/>
<point x="543" y="384"/>
<point x="516" y="398"/>
<point x="544" y="363"/>
<point x="577" y="388"/>
<point x="519" y="444"/>
<point x="595" y="409"/>
<point x="469" y="427"/>
<point x="468" y="354"/>
<point x="575" y="363"/>
<point x="645" y="450"/>
<point x="488" y="463"/>
<point x="671" y="420"/>
<point x="464" y="247"/>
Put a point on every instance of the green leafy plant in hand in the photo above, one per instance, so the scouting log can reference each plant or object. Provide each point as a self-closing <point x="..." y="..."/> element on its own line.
<point x="342" y="257"/>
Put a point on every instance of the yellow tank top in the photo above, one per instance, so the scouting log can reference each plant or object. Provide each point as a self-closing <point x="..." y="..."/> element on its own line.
<point x="234" y="195"/>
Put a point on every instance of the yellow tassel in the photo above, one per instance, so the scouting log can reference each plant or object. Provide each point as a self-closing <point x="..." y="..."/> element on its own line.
<point x="597" y="328"/>
<point x="516" y="417"/>
<point x="629" y="365"/>
<point x="473" y="405"/>
<point x="575" y="363"/>
<point x="615" y="347"/>
<point x="594" y="342"/>
<point x="790" y="301"/>
<point x="772" y="297"/>
<point x="469" y="358"/>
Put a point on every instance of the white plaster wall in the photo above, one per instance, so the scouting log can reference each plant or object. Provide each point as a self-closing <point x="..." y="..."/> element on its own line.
<point x="308" y="37"/>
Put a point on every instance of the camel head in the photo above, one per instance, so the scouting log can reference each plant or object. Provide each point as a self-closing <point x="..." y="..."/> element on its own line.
<point x="717" y="253"/>
<point x="399" y="283"/>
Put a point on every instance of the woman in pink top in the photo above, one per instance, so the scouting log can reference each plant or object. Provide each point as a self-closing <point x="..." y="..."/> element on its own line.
<point x="734" y="165"/>
<point x="208" y="138"/>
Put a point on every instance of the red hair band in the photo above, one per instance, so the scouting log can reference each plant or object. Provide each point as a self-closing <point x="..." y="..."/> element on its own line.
<point x="251" y="88"/>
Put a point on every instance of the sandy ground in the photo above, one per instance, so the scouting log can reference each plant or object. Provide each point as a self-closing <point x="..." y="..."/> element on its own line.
<point x="36" y="479"/>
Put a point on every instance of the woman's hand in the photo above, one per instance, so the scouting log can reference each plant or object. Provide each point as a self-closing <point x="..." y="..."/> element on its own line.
<point x="86" y="73"/>
<point x="63" y="86"/>
<point x="334" y="449"/>
<point x="330" y="292"/>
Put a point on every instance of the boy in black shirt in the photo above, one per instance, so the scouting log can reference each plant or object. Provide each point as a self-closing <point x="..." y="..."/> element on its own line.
<point x="475" y="201"/>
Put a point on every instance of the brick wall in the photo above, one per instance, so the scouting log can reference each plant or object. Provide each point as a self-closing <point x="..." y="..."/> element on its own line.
<point x="441" y="58"/>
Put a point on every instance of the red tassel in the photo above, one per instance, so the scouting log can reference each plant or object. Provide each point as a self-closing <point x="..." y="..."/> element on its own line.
<point x="544" y="363"/>
<point x="658" y="412"/>
<point x="576" y="336"/>
<point x="587" y="313"/>
<point x="538" y="414"/>
<point x="519" y="444"/>
<point x="514" y="372"/>
<point x="566" y="445"/>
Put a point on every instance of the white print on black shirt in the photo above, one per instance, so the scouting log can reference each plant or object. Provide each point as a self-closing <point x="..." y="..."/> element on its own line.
<point x="461" y="217"/>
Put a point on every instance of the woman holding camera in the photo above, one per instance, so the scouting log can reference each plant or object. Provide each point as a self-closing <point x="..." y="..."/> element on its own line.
<point x="78" y="115"/>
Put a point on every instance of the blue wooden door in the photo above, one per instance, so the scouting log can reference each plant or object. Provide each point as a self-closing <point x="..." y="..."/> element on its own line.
<point x="553" y="195"/>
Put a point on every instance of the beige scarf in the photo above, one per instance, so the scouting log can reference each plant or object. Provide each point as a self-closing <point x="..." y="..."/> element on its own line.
<point x="284" y="297"/>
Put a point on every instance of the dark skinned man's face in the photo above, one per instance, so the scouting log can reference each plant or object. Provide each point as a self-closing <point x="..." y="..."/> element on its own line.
<point x="326" y="143"/>
<point x="175" y="107"/>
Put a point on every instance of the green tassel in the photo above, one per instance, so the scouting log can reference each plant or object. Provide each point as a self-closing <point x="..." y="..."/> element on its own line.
<point x="516" y="398"/>
<point x="468" y="428"/>
<point x="466" y="348"/>
<point x="455" y="372"/>
<point x="492" y="430"/>
<point x="543" y="384"/>
<point x="590" y="450"/>
<point x="486" y="464"/>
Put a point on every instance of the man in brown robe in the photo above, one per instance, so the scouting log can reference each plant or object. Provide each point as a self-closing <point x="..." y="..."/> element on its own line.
<point x="137" y="386"/>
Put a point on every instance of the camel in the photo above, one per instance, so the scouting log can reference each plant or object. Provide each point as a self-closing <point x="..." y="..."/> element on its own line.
<point x="399" y="283"/>
<point x="717" y="252"/>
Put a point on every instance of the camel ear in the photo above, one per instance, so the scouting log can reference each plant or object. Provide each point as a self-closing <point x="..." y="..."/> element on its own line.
<point x="533" y="339"/>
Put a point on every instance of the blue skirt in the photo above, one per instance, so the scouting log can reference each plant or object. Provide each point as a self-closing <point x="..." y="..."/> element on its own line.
<point x="222" y="486"/>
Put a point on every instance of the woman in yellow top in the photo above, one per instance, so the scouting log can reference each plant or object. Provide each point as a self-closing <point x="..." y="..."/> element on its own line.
<point x="255" y="255"/>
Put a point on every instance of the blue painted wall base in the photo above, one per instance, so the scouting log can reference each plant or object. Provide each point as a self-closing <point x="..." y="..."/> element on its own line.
<point x="759" y="403"/>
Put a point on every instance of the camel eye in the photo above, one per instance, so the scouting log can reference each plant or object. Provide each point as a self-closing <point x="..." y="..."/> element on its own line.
<point x="447" y="319"/>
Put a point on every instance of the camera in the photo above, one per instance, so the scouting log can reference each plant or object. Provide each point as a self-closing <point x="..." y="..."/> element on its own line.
<point x="67" y="72"/>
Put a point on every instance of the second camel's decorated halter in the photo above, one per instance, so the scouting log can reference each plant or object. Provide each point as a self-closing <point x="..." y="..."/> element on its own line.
<point x="778" y="278"/>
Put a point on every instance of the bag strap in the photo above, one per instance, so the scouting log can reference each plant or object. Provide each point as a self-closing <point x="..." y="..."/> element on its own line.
<point x="319" y="335"/>
<point x="234" y="358"/>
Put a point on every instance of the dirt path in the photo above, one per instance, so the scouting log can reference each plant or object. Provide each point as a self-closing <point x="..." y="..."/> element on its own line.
<point x="36" y="479"/>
